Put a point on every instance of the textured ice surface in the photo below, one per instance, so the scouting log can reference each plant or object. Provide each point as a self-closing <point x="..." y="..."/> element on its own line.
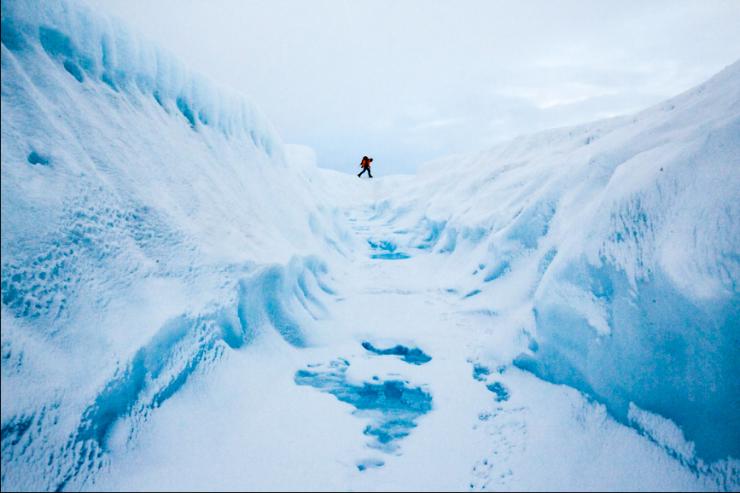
<point x="480" y="372"/>
<point x="392" y="406"/>
<point x="412" y="355"/>
<point x="369" y="464"/>
<point x="87" y="47"/>
<point x="500" y="390"/>
<point x="390" y="256"/>
<point x="386" y="249"/>
<point x="136" y="248"/>
<point x="159" y="274"/>
<point x="602" y="245"/>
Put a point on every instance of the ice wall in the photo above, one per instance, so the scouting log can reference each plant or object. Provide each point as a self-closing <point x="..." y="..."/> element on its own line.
<point x="612" y="247"/>
<point x="152" y="223"/>
<point x="657" y="261"/>
<point x="89" y="46"/>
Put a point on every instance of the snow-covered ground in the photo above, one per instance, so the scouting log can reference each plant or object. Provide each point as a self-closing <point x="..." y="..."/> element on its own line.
<point x="247" y="425"/>
<point x="189" y="303"/>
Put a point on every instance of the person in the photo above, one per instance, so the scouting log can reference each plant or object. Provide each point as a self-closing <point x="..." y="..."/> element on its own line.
<point x="365" y="165"/>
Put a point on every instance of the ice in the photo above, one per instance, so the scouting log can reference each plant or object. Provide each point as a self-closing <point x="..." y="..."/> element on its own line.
<point x="89" y="46"/>
<point x="189" y="303"/>
<point x="607" y="235"/>
<point x="413" y="355"/>
<point x="136" y="250"/>
<point x="663" y="431"/>
<point x="392" y="406"/>
<point x="499" y="390"/>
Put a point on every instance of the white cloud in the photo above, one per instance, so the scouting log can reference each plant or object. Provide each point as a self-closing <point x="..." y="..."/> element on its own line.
<point x="409" y="81"/>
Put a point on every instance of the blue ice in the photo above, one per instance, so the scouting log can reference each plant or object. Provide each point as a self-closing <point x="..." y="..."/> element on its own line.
<point x="414" y="356"/>
<point x="393" y="406"/>
<point x="390" y="256"/>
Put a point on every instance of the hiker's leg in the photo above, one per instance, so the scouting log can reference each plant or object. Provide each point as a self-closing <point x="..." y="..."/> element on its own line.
<point x="368" y="173"/>
<point x="361" y="172"/>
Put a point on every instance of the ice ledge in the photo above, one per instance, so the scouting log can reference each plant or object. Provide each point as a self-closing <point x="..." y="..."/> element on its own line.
<point x="91" y="46"/>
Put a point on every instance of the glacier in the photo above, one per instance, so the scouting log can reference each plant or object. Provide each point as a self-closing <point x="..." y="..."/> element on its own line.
<point x="633" y="262"/>
<point x="188" y="302"/>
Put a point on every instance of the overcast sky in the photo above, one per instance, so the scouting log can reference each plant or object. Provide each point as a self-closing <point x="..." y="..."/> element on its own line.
<point x="407" y="81"/>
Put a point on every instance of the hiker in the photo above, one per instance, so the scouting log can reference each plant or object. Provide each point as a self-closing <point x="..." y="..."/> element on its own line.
<point x="365" y="165"/>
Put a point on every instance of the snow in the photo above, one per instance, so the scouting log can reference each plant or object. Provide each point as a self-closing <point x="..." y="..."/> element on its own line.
<point x="663" y="431"/>
<point x="190" y="304"/>
<point x="89" y="46"/>
<point x="609" y="235"/>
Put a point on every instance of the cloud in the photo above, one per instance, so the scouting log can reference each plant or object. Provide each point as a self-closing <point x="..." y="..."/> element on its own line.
<point x="439" y="123"/>
<point x="410" y="81"/>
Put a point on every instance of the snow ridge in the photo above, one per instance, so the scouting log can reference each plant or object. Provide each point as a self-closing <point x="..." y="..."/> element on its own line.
<point x="90" y="46"/>
<point x="606" y="237"/>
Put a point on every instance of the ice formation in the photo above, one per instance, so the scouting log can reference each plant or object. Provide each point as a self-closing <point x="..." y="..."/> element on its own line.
<point x="188" y="302"/>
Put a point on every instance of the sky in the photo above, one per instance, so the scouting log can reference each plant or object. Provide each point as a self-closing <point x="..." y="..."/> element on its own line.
<point x="407" y="81"/>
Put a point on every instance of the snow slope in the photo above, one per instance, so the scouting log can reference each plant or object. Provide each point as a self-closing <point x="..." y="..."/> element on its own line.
<point x="189" y="303"/>
<point x="613" y="248"/>
<point x="142" y="206"/>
